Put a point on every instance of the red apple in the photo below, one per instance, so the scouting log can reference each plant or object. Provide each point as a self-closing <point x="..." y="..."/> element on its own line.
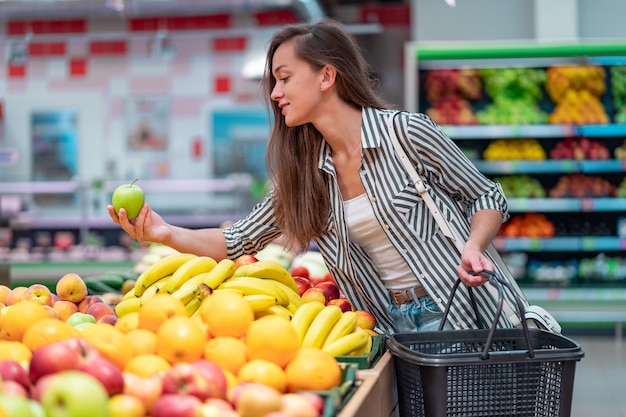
<point x="12" y="370"/>
<point x="342" y="303"/>
<point x="39" y="293"/>
<point x="14" y="389"/>
<point x="185" y="379"/>
<point x="316" y="399"/>
<point x="365" y="319"/>
<point x="59" y="356"/>
<point x="40" y="387"/>
<point x="295" y="405"/>
<point x="176" y="405"/>
<point x="300" y="271"/>
<point x="215" y="376"/>
<point x="148" y="390"/>
<point x="105" y="371"/>
<point x="257" y="400"/>
<point x="327" y="277"/>
<point x="314" y="294"/>
<point x="302" y="283"/>
<point x="330" y="289"/>
<point x="245" y="260"/>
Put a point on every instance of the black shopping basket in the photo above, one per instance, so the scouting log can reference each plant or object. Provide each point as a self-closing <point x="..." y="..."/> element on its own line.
<point x="485" y="372"/>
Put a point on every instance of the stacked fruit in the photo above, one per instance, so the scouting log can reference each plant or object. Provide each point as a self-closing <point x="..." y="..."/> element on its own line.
<point x="448" y="92"/>
<point x="230" y="355"/>
<point x="579" y="185"/>
<point x="618" y="90"/>
<point x="515" y="93"/>
<point x="508" y="150"/>
<point x="621" y="189"/>
<point x="620" y="152"/>
<point x="521" y="186"/>
<point x="580" y="149"/>
<point x="529" y="225"/>
<point x="576" y="91"/>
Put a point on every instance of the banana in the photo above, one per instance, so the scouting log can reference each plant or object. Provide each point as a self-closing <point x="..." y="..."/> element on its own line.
<point x="260" y="302"/>
<point x="366" y="349"/>
<point x="221" y="272"/>
<point x="189" y="269"/>
<point x="186" y="293"/>
<point x="154" y="289"/>
<point x="126" y="306"/>
<point x="346" y="324"/>
<point x="269" y="269"/>
<point x="277" y="310"/>
<point x="303" y="317"/>
<point x="159" y="269"/>
<point x="347" y="344"/>
<point x="294" y="298"/>
<point x="321" y="325"/>
<point x="251" y="285"/>
<point x="193" y="305"/>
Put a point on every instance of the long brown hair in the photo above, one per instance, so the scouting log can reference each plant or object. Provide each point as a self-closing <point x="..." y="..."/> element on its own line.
<point x="301" y="200"/>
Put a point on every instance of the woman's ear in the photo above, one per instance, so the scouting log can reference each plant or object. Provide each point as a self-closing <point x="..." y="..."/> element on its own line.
<point x="329" y="73"/>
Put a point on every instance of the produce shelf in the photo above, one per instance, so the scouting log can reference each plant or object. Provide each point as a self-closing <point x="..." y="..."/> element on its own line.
<point x="521" y="205"/>
<point x="560" y="244"/>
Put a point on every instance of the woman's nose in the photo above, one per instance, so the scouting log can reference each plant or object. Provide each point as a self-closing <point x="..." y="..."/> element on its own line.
<point x="276" y="93"/>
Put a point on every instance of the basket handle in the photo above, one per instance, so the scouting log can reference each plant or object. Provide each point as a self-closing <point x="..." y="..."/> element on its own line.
<point x="498" y="283"/>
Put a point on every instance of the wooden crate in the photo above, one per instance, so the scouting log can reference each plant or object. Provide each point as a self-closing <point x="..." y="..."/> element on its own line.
<point x="376" y="395"/>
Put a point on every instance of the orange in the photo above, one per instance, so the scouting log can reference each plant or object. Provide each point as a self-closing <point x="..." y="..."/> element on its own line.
<point x="158" y="309"/>
<point x="46" y="331"/>
<point x="146" y="365"/>
<point x="272" y="338"/>
<point x="10" y="349"/>
<point x="312" y="369"/>
<point x="128" y="322"/>
<point x="4" y="412"/>
<point x="18" y="317"/>
<point x="231" y="379"/>
<point x="110" y="342"/>
<point x="228" y="352"/>
<point x="264" y="372"/>
<point x="180" y="339"/>
<point x="226" y="313"/>
<point x="141" y="341"/>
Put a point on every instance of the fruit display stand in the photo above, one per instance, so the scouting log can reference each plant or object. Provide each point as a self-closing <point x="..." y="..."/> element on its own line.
<point x="546" y="121"/>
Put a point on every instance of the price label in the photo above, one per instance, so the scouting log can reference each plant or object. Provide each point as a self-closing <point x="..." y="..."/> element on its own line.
<point x="588" y="244"/>
<point x="534" y="244"/>
<point x="586" y="204"/>
<point x="568" y="130"/>
<point x="622" y="244"/>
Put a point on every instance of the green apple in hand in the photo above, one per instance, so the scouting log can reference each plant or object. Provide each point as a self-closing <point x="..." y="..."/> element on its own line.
<point x="129" y="197"/>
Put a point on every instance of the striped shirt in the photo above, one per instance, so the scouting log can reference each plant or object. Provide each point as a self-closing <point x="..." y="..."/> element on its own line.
<point x="452" y="180"/>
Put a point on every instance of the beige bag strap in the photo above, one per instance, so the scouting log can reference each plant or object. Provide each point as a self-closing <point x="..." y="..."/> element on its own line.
<point x="443" y="225"/>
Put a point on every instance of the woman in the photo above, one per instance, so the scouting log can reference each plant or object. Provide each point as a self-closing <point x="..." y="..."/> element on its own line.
<point x="338" y="182"/>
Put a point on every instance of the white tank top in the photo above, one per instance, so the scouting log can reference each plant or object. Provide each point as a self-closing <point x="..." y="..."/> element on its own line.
<point x="364" y="229"/>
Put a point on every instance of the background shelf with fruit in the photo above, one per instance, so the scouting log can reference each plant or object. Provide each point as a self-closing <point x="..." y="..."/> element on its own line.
<point x="548" y="122"/>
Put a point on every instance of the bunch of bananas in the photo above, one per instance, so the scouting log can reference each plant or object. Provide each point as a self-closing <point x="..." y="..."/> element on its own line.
<point x="267" y="285"/>
<point x="331" y="329"/>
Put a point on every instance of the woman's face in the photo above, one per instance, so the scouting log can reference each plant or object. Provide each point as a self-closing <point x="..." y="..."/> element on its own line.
<point x="297" y="89"/>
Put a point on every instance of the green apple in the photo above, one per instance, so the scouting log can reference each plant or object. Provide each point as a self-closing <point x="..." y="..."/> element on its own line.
<point x="129" y="197"/>
<point x="79" y="318"/>
<point x="75" y="394"/>
<point x="16" y="406"/>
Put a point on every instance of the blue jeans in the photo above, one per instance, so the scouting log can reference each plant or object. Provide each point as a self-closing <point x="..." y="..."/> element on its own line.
<point x="420" y="315"/>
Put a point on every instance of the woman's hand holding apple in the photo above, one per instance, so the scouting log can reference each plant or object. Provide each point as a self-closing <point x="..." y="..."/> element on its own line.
<point x="148" y="226"/>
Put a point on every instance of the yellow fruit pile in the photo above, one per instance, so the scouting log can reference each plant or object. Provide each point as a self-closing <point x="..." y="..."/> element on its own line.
<point x="576" y="91"/>
<point x="510" y="150"/>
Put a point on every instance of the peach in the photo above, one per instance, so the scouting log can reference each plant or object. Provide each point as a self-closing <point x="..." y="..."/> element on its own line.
<point x="342" y="303"/>
<point x="314" y="294"/>
<point x="71" y="287"/>
<point x="109" y="319"/>
<point x="51" y="312"/>
<point x="100" y="309"/>
<point x="88" y="300"/>
<point x="39" y="293"/>
<point x="4" y="292"/>
<point x="365" y="319"/>
<point x="16" y="295"/>
<point x="64" y="309"/>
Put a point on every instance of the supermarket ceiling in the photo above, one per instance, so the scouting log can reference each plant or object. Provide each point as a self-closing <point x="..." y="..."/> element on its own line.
<point x="308" y="10"/>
